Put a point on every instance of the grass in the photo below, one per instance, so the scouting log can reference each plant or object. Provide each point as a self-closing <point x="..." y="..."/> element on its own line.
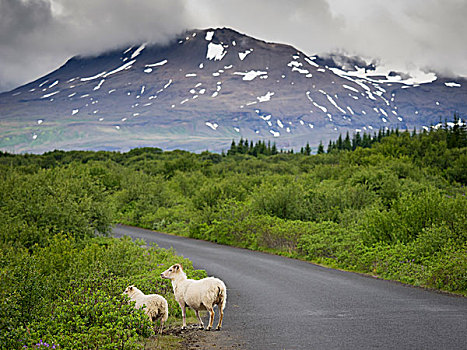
<point x="164" y="342"/>
<point x="170" y="339"/>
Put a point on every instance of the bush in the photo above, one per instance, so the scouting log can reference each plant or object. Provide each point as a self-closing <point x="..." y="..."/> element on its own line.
<point x="411" y="214"/>
<point x="285" y="201"/>
<point x="69" y="292"/>
<point x="449" y="270"/>
<point x="36" y="206"/>
<point x="91" y="318"/>
<point x="330" y="243"/>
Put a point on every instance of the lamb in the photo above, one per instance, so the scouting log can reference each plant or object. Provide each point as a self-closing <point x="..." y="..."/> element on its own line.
<point x="199" y="295"/>
<point x="156" y="305"/>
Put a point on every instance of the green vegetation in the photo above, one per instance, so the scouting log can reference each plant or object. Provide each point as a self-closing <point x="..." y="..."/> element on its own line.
<point x="395" y="209"/>
<point x="61" y="284"/>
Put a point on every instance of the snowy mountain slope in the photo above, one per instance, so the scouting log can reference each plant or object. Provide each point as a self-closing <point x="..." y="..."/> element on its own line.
<point x="211" y="86"/>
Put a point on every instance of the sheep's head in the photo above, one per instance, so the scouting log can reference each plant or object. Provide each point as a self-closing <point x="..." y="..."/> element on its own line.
<point x="172" y="272"/>
<point x="129" y="290"/>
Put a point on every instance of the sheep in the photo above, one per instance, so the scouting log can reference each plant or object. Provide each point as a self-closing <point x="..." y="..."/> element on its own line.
<point x="199" y="295"/>
<point x="156" y="305"/>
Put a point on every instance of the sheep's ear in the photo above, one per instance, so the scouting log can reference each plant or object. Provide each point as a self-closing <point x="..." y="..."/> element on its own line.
<point x="177" y="266"/>
<point x="130" y="287"/>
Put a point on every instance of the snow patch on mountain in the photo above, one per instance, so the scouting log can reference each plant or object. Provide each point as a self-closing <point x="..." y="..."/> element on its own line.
<point x="138" y="51"/>
<point x="452" y="84"/>
<point x="266" y="97"/>
<point x="209" y="35"/>
<point x="161" y="63"/>
<point x="248" y="76"/>
<point x="311" y="62"/>
<point x="350" y="88"/>
<point x="322" y="108"/>
<point x="53" y="84"/>
<point x="99" y="85"/>
<point x="242" y="55"/>
<point x="51" y="94"/>
<point x="168" y="84"/>
<point x="275" y="133"/>
<point x="97" y="76"/>
<point x="383" y="74"/>
<point x="215" y="52"/>
<point x="119" y="69"/>
<point x="335" y="104"/>
<point x="213" y="126"/>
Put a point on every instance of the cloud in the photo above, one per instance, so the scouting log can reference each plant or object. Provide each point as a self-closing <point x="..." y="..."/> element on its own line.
<point x="306" y="24"/>
<point x="18" y="18"/>
<point x="427" y="34"/>
<point x="423" y="34"/>
<point x="36" y="36"/>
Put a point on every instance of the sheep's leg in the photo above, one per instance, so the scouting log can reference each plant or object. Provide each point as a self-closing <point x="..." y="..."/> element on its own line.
<point x="221" y="317"/>
<point x="162" y="327"/>
<point x="183" y="315"/>
<point x="154" y="319"/>
<point x="211" y="317"/>
<point x="201" y="324"/>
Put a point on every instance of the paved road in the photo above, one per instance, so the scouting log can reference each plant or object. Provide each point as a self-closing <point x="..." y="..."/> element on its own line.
<point x="279" y="303"/>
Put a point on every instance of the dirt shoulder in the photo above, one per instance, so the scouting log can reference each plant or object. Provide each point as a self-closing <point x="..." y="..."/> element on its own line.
<point x="174" y="338"/>
<point x="194" y="338"/>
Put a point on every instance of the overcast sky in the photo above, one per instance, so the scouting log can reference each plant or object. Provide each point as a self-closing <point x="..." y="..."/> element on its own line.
<point x="37" y="36"/>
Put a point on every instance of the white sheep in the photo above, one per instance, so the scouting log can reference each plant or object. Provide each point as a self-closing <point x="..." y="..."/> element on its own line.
<point x="156" y="305"/>
<point x="199" y="295"/>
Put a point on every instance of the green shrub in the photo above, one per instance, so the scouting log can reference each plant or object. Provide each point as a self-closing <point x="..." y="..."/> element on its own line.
<point x="449" y="269"/>
<point x="91" y="318"/>
<point x="411" y="214"/>
<point x="330" y="243"/>
<point x="285" y="201"/>
<point x="69" y="292"/>
<point x="36" y="206"/>
<point x="380" y="181"/>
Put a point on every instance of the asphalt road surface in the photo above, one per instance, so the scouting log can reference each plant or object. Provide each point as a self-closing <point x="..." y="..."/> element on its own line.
<point x="280" y="303"/>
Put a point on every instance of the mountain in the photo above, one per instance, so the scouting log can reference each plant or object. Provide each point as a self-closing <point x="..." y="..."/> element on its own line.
<point x="208" y="87"/>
